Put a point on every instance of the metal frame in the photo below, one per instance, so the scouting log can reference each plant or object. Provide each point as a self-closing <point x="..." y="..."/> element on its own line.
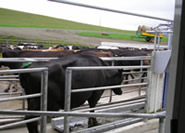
<point x="43" y="95"/>
<point x="113" y="59"/>
<point x="178" y="15"/>
<point x="68" y="85"/>
<point x="110" y="10"/>
<point x="27" y="59"/>
<point x="176" y="94"/>
<point x="68" y="90"/>
<point x="160" y="116"/>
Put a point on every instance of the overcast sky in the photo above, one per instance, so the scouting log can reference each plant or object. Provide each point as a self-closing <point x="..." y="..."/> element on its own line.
<point x="157" y="8"/>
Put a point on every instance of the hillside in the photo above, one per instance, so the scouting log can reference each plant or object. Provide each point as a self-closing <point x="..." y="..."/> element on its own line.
<point x="12" y="18"/>
<point x="15" y="25"/>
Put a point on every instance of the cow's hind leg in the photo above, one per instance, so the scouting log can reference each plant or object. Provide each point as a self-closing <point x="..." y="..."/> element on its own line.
<point x="143" y="76"/>
<point x="92" y="103"/>
<point x="33" y="104"/>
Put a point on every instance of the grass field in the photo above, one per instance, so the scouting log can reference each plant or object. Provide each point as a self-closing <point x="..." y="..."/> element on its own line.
<point x="12" y="18"/>
<point x="116" y="36"/>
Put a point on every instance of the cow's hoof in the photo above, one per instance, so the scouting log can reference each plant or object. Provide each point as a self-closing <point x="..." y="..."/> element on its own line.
<point x="92" y="122"/>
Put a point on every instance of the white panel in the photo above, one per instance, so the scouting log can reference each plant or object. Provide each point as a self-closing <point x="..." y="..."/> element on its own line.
<point x="161" y="60"/>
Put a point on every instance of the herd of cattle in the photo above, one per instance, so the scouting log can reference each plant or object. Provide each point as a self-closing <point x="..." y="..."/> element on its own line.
<point x="68" y="57"/>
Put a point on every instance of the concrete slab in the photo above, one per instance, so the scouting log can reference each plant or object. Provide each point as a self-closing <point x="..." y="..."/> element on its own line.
<point x="24" y="130"/>
<point x="150" y="126"/>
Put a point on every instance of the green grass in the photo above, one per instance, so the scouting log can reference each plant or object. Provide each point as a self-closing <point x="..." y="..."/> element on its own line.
<point x="116" y="36"/>
<point x="12" y="18"/>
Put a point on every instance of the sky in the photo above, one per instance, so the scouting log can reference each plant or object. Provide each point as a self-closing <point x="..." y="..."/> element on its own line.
<point x="156" y="8"/>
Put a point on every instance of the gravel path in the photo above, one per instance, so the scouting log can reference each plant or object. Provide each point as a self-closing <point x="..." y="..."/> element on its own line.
<point x="58" y="34"/>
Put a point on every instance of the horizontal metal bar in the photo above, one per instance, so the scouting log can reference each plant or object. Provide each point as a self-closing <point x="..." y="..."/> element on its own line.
<point x="126" y="106"/>
<point x="110" y="126"/>
<point x="135" y="72"/>
<point x="109" y="67"/>
<point x="159" y="32"/>
<point x="20" y="97"/>
<point x="9" y="76"/>
<point x="23" y="70"/>
<point x="127" y="91"/>
<point x="9" y="79"/>
<point x="10" y="93"/>
<point x="133" y="90"/>
<point x="136" y="79"/>
<point x="11" y="117"/>
<point x="84" y="114"/>
<point x="26" y="59"/>
<point x="110" y="10"/>
<point x="31" y="41"/>
<point x="19" y="123"/>
<point x="126" y="58"/>
<point x="125" y="102"/>
<point x="106" y="87"/>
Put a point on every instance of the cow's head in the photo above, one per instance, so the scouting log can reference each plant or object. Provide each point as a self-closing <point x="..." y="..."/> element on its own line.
<point x="116" y="79"/>
<point x="8" y="52"/>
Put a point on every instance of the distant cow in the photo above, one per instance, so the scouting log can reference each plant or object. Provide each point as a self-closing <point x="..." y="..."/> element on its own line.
<point x="71" y="47"/>
<point x="31" y="83"/>
<point x="96" y="52"/>
<point x="17" y="53"/>
<point x="30" y="46"/>
<point x="126" y="52"/>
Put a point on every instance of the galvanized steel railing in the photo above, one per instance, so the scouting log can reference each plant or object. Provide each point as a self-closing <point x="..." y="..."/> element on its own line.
<point x="43" y="95"/>
<point x="68" y="88"/>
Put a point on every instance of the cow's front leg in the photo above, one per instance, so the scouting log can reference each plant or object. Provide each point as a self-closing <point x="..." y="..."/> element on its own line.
<point x="32" y="126"/>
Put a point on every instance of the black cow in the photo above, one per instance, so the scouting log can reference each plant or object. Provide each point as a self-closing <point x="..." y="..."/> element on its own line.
<point x="18" y="53"/>
<point x="126" y="52"/>
<point x="80" y="79"/>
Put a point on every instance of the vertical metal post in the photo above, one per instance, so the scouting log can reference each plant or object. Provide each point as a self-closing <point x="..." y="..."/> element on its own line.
<point x="23" y="101"/>
<point x="139" y="93"/>
<point x="149" y="86"/>
<point x="44" y="86"/>
<point x="161" y="125"/>
<point x="67" y="106"/>
<point x="170" y="36"/>
<point x="155" y="41"/>
<point x="148" y="90"/>
<point x="158" y="41"/>
<point x="170" y="41"/>
<point x="156" y="94"/>
<point x="110" y="97"/>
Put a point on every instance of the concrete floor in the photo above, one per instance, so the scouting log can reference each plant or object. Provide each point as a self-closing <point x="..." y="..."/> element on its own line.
<point x="150" y="126"/>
